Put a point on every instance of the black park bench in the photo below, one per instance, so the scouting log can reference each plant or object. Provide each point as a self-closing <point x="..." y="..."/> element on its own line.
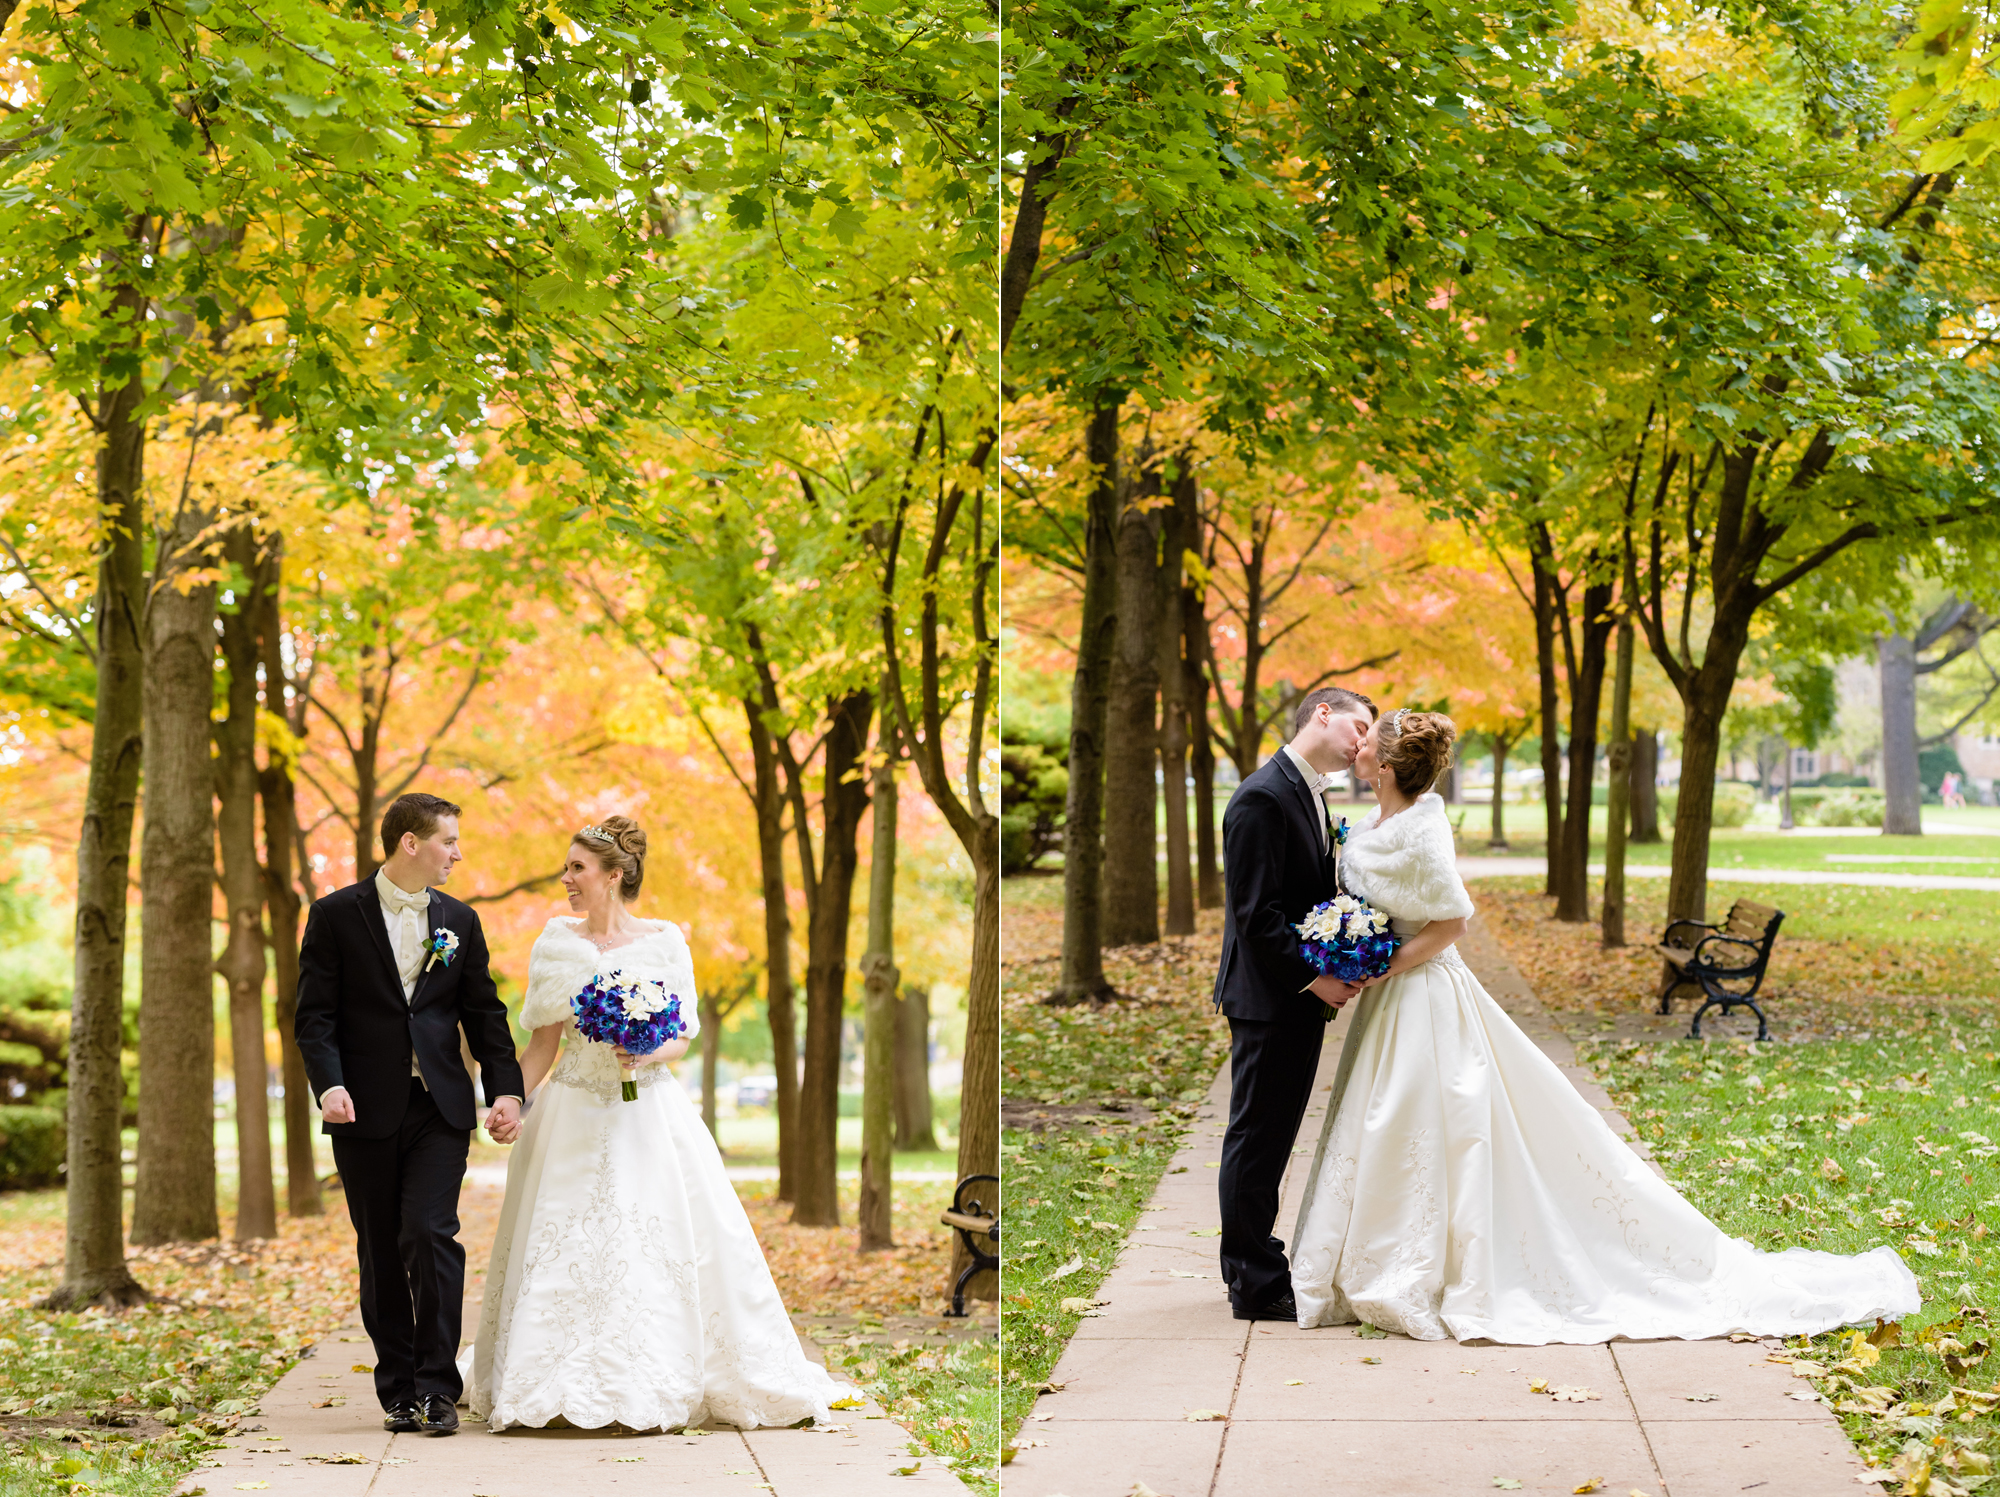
<point x="1727" y="964"/>
<point x="970" y="1218"/>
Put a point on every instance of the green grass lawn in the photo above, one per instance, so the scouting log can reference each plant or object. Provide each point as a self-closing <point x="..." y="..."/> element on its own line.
<point x="1886" y="1137"/>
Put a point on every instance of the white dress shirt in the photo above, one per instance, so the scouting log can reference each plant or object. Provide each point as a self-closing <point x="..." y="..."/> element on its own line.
<point x="404" y="915"/>
<point x="1316" y="785"/>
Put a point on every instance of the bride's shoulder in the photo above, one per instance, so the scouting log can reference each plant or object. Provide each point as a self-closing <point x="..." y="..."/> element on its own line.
<point x="559" y="934"/>
<point x="667" y="932"/>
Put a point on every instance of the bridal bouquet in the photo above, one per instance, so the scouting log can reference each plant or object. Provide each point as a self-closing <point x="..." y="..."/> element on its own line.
<point x="1347" y="939"/>
<point x="638" y="1014"/>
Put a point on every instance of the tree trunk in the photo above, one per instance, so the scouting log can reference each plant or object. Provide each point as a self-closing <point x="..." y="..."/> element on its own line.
<point x="979" y="1093"/>
<point x="94" y="1270"/>
<point x="281" y="895"/>
<point x="778" y="1003"/>
<point x="1083" y="848"/>
<point x="1545" y="665"/>
<point x="1645" y="780"/>
<point x="1131" y="876"/>
<point x="1201" y="750"/>
<point x="1178" y="530"/>
<point x="914" y="1130"/>
<point x="242" y="963"/>
<point x="1497" y="841"/>
<point x="175" y="1199"/>
<point x="711" y="1040"/>
<point x="1701" y="750"/>
<point x="846" y="798"/>
<point x="1586" y="694"/>
<point x="1618" y="797"/>
<point x="880" y="980"/>
<point x="1902" y="783"/>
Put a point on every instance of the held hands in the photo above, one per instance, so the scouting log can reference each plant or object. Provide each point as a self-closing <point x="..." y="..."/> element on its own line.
<point x="335" y="1106"/>
<point x="503" y="1121"/>
<point x="1331" y="990"/>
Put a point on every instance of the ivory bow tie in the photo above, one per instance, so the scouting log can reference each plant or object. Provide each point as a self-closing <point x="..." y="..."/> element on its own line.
<point x="399" y="899"/>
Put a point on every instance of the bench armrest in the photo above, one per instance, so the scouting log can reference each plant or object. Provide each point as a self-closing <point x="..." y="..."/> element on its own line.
<point x="1755" y="949"/>
<point x="1672" y="926"/>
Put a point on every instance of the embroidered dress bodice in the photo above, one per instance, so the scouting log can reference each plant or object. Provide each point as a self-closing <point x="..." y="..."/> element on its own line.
<point x="566" y="957"/>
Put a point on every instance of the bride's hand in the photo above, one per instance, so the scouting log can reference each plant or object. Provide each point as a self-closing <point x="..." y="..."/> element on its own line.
<point x="632" y="1062"/>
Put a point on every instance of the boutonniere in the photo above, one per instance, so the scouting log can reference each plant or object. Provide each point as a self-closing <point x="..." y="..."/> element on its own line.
<point x="443" y="946"/>
<point x="1340" y="833"/>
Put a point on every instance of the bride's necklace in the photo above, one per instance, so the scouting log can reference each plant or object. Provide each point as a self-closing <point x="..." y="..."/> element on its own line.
<point x="607" y="940"/>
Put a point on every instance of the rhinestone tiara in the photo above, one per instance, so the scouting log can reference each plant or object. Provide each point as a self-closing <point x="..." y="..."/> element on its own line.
<point x="596" y="833"/>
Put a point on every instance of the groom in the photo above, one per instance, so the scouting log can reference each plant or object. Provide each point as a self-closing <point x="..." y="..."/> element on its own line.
<point x="391" y="969"/>
<point x="1278" y="862"/>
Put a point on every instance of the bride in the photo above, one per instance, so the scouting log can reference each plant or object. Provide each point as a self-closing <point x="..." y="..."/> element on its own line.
<point x="1462" y="1188"/>
<point x="626" y="1285"/>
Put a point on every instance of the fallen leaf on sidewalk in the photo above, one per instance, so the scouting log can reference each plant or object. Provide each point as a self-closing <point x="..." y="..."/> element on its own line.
<point x="1206" y="1232"/>
<point x="252" y="1486"/>
<point x="1805" y="1397"/>
<point x="1050" y="1387"/>
<point x="1702" y="1397"/>
<point x="1507" y="1483"/>
<point x="1083" y="1307"/>
<point x="1140" y="1489"/>
<point x="1371" y="1361"/>
<point x="361" y="1367"/>
<point x="1595" y="1484"/>
<point x="1741" y="1336"/>
<point x="1367" y="1332"/>
<point x="1295" y="1382"/>
<point x="850" y="1402"/>
<point x="1562" y="1392"/>
<point x="1205" y="1416"/>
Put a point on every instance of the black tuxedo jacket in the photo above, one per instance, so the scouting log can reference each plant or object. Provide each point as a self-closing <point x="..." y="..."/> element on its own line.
<point x="354" y="1030"/>
<point x="1273" y="873"/>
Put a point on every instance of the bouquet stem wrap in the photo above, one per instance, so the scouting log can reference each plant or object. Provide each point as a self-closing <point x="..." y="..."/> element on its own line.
<point x="637" y="1015"/>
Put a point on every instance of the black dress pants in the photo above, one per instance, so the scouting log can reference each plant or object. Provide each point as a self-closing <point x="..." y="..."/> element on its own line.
<point x="1271" y="1068"/>
<point x="402" y="1196"/>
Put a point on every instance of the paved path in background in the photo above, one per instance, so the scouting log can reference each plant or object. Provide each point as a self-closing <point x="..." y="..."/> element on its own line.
<point x="863" y="1456"/>
<point x="1306" y="1413"/>
<point x="1477" y="867"/>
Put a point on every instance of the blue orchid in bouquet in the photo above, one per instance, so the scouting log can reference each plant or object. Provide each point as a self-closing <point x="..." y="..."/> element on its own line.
<point x="638" y="1015"/>
<point x="1347" y="938"/>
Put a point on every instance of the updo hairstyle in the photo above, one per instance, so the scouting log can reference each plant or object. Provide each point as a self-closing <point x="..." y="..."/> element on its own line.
<point x="619" y="845"/>
<point x="1415" y="747"/>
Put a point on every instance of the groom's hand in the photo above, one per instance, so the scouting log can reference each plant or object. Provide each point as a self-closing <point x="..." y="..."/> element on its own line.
<point x="1332" y="990"/>
<point x="335" y="1106"/>
<point x="503" y="1121"/>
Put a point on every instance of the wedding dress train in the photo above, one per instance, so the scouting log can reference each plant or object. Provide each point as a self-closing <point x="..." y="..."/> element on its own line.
<point x="626" y="1285"/>
<point x="1462" y="1188"/>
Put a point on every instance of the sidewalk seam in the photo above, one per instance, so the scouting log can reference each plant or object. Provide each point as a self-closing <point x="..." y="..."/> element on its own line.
<point x="1645" y="1434"/>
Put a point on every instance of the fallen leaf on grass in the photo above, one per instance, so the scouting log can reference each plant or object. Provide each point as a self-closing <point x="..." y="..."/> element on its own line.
<point x="1205" y="1416"/>
<point x="1805" y="1397"/>
<point x="1886" y="1333"/>
<point x="1086" y="1308"/>
<point x="1075" y="1262"/>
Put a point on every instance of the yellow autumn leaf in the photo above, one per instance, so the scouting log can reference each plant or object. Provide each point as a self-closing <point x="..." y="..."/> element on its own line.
<point x="1205" y="1416"/>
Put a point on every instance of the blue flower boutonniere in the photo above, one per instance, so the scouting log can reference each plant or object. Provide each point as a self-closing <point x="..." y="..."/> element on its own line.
<point x="443" y="946"/>
<point x="1340" y="833"/>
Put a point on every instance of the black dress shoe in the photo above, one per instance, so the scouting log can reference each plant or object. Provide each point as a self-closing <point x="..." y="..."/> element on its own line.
<point x="440" y="1418"/>
<point x="1284" y="1307"/>
<point x="403" y="1418"/>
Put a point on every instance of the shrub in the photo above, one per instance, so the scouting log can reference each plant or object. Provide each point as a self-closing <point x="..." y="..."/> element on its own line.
<point x="1847" y="808"/>
<point x="1733" y="804"/>
<point x="1034" y="789"/>
<point x="33" y="1143"/>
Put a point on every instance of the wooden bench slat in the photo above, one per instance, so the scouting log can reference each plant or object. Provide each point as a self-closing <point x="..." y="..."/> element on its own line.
<point x="983" y="1224"/>
<point x="1680" y="956"/>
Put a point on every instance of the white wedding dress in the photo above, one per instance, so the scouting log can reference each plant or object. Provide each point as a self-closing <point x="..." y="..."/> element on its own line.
<point x="1462" y="1188"/>
<point x="626" y="1285"/>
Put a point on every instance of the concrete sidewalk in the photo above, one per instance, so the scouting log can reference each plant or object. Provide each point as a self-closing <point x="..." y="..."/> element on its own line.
<point x="1329" y="1413"/>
